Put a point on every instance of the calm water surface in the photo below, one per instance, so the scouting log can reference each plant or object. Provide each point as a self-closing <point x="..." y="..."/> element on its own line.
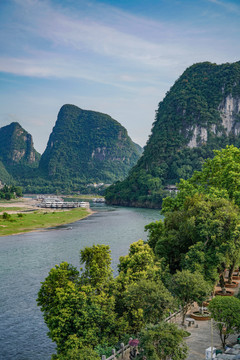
<point x="26" y="259"/>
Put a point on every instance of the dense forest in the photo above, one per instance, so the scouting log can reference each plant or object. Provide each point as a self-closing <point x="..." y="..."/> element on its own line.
<point x="10" y="192"/>
<point x="200" y="113"/>
<point x="89" y="311"/>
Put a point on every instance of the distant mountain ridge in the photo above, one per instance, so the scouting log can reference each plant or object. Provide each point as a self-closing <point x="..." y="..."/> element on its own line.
<point x="84" y="147"/>
<point x="200" y="113"/>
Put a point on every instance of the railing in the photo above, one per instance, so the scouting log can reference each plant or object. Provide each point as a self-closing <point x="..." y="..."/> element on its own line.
<point x="115" y="354"/>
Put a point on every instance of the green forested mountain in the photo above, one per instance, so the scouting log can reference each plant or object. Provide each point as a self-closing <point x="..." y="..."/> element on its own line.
<point x="84" y="147"/>
<point x="5" y="177"/>
<point x="87" y="146"/>
<point x="17" y="154"/>
<point x="201" y="112"/>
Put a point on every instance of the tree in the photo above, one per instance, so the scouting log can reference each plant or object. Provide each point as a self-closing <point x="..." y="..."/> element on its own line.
<point x="163" y="342"/>
<point x="189" y="287"/>
<point x="97" y="262"/>
<point x="138" y="264"/>
<point x="146" y="301"/>
<point x="78" y="309"/>
<point x="74" y="352"/>
<point x="219" y="177"/>
<point x="202" y="235"/>
<point x="225" y="310"/>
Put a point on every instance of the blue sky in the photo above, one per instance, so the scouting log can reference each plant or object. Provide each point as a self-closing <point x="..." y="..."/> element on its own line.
<point x="116" y="57"/>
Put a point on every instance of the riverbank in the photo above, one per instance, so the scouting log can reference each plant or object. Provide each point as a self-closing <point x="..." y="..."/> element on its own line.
<point x="23" y="215"/>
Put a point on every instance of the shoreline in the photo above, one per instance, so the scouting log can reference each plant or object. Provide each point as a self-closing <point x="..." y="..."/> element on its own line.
<point x="44" y="218"/>
<point x="51" y="227"/>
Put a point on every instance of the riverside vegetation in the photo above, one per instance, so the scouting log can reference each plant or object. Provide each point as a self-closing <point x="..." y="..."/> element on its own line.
<point x="25" y="222"/>
<point x="89" y="311"/>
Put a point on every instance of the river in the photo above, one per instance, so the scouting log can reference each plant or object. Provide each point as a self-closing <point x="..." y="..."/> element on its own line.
<point x="26" y="259"/>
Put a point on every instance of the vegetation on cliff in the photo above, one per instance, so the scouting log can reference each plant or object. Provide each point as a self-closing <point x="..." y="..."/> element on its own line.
<point x="200" y="113"/>
<point x="84" y="147"/>
<point x="88" y="146"/>
<point x="18" y="158"/>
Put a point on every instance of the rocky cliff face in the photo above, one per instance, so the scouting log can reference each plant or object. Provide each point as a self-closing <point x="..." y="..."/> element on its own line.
<point x="88" y="145"/>
<point x="200" y="113"/>
<point x="16" y="146"/>
<point x="229" y="111"/>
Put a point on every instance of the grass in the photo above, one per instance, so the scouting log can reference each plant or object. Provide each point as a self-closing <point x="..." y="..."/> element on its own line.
<point x="83" y="196"/>
<point x="11" y="208"/>
<point x="39" y="220"/>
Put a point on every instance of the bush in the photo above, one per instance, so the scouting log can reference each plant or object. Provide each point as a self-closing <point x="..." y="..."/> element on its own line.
<point x="6" y="216"/>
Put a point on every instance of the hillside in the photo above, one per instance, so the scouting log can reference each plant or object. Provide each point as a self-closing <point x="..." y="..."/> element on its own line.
<point x="201" y="112"/>
<point x="87" y="146"/>
<point x="17" y="154"/>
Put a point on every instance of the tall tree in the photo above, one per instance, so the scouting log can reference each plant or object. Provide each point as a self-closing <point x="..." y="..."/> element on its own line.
<point x="189" y="287"/>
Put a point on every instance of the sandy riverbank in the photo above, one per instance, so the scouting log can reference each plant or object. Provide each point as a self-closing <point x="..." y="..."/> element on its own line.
<point x="18" y="205"/>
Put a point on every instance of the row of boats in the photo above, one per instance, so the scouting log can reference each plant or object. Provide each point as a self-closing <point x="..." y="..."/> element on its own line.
<point x="58" y="203"/>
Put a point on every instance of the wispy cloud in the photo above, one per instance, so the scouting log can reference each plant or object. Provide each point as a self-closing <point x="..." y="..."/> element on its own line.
<point x="229" y="6"/>
<point x="105" y="58"/>
<point x="83" y="38"/>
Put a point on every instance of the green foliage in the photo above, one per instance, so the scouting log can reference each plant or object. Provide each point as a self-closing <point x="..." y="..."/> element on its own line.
<point x="189" y="287"/>
<point x="91" y="310"/>
<point x="219" y="177"/>
<point x="17" y="154"/>
<point x="87" y="145"/>
<point x="5" y="177"/>
<point x="146" y="301"/>
<point x="97" y="260"/>
<point x="225" y="310"/>
<point x="162" y="342"/>
<point x="192" y="104"/>
<point x="6" y="216"/>
<point x="75" y="352"/>
<point x="201" y="235"/>
<point x="140" y="295"/>
<point x="138" y="263"/>
<point x="10" y="192"/>
<point x="79" y="309"/>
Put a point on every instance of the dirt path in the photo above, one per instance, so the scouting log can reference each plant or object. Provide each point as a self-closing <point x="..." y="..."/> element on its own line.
<point x="23" y="204"/>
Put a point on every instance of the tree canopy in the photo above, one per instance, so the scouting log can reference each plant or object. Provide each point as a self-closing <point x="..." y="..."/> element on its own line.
<point x="162" y="342"/>
<point x="225" y="310"/>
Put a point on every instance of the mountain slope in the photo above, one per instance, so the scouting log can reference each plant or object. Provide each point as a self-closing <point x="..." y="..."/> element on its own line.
<point x="5" y="177"/>
<point x="88" y="145"/>
<point x="17" y="153"/>
<point x="201" y="112"/>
